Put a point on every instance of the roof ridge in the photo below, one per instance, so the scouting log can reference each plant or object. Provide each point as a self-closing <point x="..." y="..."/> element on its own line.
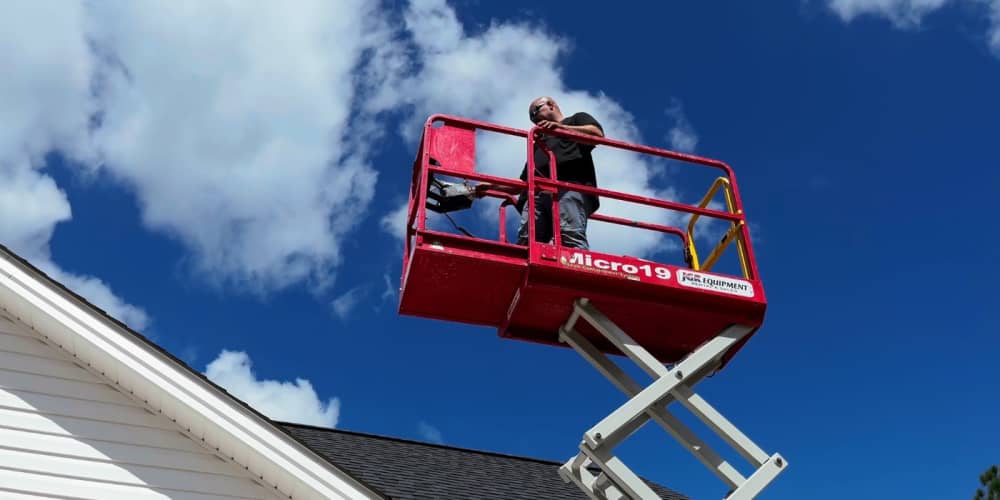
<point x="422" y="443"/>
<point x="125" y="329"/>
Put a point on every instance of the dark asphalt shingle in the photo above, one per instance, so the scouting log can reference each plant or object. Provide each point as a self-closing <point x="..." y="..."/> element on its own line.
<point x="409" y="470"/>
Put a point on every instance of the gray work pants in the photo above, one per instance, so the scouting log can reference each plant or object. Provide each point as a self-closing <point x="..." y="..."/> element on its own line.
<point x="574" y="209"/>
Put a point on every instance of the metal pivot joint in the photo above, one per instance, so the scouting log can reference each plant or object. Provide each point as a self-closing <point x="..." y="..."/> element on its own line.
<point x="615" y="480"/>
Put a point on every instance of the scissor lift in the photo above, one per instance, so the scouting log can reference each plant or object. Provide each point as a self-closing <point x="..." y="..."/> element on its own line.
<point x="683" y="322"/>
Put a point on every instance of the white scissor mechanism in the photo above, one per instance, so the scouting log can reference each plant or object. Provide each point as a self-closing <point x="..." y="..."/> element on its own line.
<point x="615" y="480"/>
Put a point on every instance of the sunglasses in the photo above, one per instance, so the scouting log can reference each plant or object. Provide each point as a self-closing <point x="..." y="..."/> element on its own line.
<point x="537" y="108"/>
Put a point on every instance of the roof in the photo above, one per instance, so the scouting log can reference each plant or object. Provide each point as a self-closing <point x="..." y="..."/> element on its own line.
<point x="411" y="470"/>
<point x="390" y="467"/>
<point x="135" y="365"/>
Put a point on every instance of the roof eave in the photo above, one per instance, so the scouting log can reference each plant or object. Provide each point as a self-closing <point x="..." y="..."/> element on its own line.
<point x="203" y="410"/>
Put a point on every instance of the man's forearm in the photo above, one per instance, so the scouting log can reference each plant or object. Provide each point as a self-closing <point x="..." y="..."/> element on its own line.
<point x="585" y="129"/>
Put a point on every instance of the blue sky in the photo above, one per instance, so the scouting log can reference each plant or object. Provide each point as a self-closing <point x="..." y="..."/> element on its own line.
<point x="229" y="180"/>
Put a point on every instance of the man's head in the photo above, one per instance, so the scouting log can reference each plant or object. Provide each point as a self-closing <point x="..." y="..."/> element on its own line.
<point x="544" y="108"/>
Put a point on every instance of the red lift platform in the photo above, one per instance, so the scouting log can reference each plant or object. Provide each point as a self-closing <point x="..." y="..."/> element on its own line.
<point x="688" y="317"/>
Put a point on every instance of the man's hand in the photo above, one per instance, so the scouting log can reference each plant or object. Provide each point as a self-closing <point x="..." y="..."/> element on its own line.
<point x="582" y="129"/>
<point x="549" y="124"/>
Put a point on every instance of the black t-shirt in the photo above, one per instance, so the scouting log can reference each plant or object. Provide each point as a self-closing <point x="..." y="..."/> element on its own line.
<point x="573" y="161"/>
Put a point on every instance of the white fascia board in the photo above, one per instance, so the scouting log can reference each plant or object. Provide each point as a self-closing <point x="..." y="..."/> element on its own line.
<point x="167" y="387"/>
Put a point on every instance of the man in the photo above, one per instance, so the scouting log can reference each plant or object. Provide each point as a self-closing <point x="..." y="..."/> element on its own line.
<point x="573" y="164"/>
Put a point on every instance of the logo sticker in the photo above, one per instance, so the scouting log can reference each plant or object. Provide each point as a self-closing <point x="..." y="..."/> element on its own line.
<point x="610" y="266"/>
<point x="693" y="279"/>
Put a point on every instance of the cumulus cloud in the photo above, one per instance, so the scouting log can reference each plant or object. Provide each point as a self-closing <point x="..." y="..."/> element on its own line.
<point x="45" y="105"/>
<point x="233" y="125"/>
<point x="492" y="76"/>
<point x="30" y="207"/>
<point x="682" y="136"/>
<point x="907" y="14"/>
<point x="230" y="123"/>
<point x="285" y="401"/>
<point x="46" y="83"/>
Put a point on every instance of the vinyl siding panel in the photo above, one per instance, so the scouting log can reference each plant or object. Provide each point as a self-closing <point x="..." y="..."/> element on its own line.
<point x="66" y="433"/>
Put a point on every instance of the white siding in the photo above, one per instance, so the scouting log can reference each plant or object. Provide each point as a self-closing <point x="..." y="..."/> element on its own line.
<point x="65" y="433"/>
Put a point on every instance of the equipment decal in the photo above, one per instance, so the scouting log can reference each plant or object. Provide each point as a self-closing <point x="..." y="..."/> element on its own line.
<point x="693" y="279"/>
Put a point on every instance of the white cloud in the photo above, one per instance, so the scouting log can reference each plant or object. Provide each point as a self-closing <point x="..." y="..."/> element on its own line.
<point x="346" y="302"/>
<point x="45" y="90"/>
<point x="30" y="207"/>
<point x="46" y="105"/>
<point x="390" y="289"/>
<point x="994" y="34"/>
<point x="284" y="401"/>
<point x="100" y="294"/>
<point x="906" y="14"/>
<point x="430" y="433"/>
<point x="902" y="13"/>
<point x="492" y="76"/>
<point x="394" y="222"/>
<point x="681" y="136"/>
<point x="230" y="122"/>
